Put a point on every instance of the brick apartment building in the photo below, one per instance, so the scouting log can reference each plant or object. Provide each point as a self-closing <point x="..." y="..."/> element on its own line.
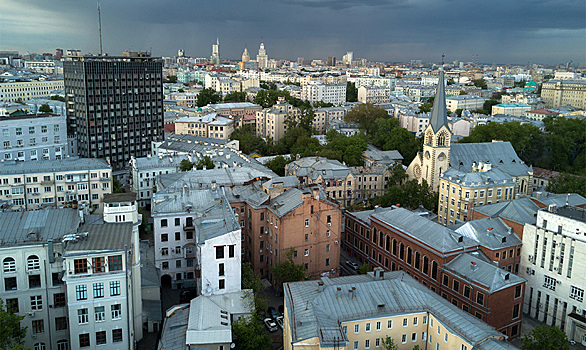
<point x="451" y="264"/>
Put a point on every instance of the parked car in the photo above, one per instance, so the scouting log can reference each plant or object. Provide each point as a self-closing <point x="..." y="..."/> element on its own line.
<point x="270" y="324"/>
<point x="186" y="295"/>
<point x="272" y="313"/>
<point x="280" y="321"/>
<point x="352" y="264"/>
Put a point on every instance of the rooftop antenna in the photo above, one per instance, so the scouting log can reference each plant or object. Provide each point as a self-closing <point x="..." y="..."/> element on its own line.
<point x="100" y="28"/>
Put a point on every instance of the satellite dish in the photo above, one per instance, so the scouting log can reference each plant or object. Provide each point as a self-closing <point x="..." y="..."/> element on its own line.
<point x="232" y="346"/>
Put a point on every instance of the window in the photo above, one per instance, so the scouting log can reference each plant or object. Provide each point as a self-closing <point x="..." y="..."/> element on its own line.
<point x="10" y="283"/>
<point x="356" y="345"/>
<point x="480" y="298"/>
<point x="114" y="288"/>
<point x="38" y="326"/>
<point x="377" y="342"/>
<point x="80" y="266"/>
<point x="81" y="292"/>
<point x="36" y="302"/>
<point x="405" y="322"/>
<point x="116" y="311"/>
<point x="306" y="222"/>
<point x="33" y="263"/>
<point x="414" y="337"/>
<point x="221" y="271"/>
<point x="221" y="284"/>
<point x="368" y="327"/>
<point x="389" y="324"/>
<point x="101" y="338"/>
<point x="230" y="251"/>
<point x="34" y="281"/>
<point x="82" y="316"/>
<point x="177" y="263"/>
<point x="415" y="320"/>
<point x="164" y="223"/>
<point x="98" y="265"/>
<point x="98" y="290"/>
<point x="115" y="262"/>
<point x="424" y="320"/>
<point x="306" y="252"/>
<point x="84" y="340"/>
<point x="12" y="305"/>
<point x="164" y="251"/>
<point x="62" y="345"/>
<point x="378" y="326"/>
<point x="577" y="294"/>
<point x="549" y="283"/>
<point x="467" y="291"/>
<point x="356" y="328"/>
<point x="220" y="252"/>
<point x="404" y="338"/>
<point x="515" y="311"/>
<point x="9" y="265"/>
<point x="456" y="285"/>
<point x="60" y="323"/>
<point x="446" y="337"/>
<point x="177" y="236"/>
<point x="100" y="313"/>
<point x="518" y="291"/>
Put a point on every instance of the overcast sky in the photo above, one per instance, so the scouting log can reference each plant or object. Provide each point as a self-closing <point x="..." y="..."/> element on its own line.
<point x="498" y="31"/>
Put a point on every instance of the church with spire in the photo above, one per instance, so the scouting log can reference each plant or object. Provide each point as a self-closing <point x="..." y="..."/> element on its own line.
<point x="435" y="158"/>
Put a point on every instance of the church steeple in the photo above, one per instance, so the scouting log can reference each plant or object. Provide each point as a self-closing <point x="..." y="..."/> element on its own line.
<point x="439" y="117"/>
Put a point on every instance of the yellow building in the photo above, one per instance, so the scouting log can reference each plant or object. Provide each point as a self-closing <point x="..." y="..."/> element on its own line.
<point x="211" y="125"/>
<point x="26" y="90"/>
<point x="358" y="313"/>
<point x="460" y="190"/>
<point x="557" y="93"/>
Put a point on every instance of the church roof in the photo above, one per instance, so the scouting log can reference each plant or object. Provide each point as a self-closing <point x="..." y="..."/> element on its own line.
<point x="439" y="116"/>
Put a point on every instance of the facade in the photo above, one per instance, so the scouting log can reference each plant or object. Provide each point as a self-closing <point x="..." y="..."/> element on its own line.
<point x="115" y="105"/>
<point x="211" y="125"/>
<point x="270" y="122"/>
<point x="414" y="123"/>
<point x="53" y="183"/>
<point x="215" y="58"/>
<point x="26" y="90"/>
<point x="557" y="93"/>
<point x="469" y="102"/>
<point x="554" y="267"/>
<point x="514" y="109"/>
<point x="327" y="93"/>
<point x="460" y="190"/>
<point x="262" y="60"/>
<point x="239" y="109"/>
<point x="359" y="312"/>
<point x="144" y="172"/>
<point x="33" y="137"/>
<point x="451" y="264"/>
<point x="374" y="94"/>
<point x="540" y="114"/>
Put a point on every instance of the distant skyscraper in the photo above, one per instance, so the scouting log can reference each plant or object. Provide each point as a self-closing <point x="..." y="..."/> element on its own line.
<point x="245" y="58"/>
<point x="58" y="54"/>
<point x="180" y="53"/>
<point x="331" y="61"/>
<point x="262" y="60"/>
<point x="215" y="59"/>
<point x="348" y="58"/>
<point x="115" y="105"/>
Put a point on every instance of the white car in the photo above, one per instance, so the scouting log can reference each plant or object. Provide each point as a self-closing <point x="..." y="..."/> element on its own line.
<point x="270" y="324"/>
<point x="352" y="264"/>
<point x="280" y="321"/>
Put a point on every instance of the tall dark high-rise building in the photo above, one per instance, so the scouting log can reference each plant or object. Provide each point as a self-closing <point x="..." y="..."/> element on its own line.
<point x="114" y="105"/>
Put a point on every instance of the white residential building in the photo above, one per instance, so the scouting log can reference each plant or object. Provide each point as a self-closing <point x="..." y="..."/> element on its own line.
<point x="469" y="102"/>
<point x="374" y="94"/>
<point x="328" y="93"/>
<point x="197" y="240"/>
<point x="554" y="264"/>
<point x="52" y="183"/>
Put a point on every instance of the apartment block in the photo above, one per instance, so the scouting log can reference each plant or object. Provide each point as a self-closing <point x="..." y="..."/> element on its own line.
<point x="327" y="93"/>
<point x="554" y="267"/>
<point x="26" y="90"/>
<point x="211" y="125"/>
<point x="33" y="137"/>
<point x="54" y="183"/>
<point x="557" y="93"/>
<point x="449" y="263"/>
<point x="469" y="102"/>
<point x="270" y="122"/>
<point x="374" y="94"/>
<point x="359" y="312"/>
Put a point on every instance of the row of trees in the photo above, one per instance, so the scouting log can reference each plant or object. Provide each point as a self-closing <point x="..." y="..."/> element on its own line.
<point x="206" y="162"/>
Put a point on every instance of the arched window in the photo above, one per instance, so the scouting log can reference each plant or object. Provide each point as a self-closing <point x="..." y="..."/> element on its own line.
<point x="417" y="257"/>
<point x="388" y="243"/>
<point x="409" y="255"/>
<point x="62" y="345"/>
<point x="9" y="265"/>
<point x="33" y="263"/>
<point x="394" y="247"/>
<point x="380" y="239"/>
<point x="402" y="251"/>
<point x="39" y="346"/>
<point x="374" y="235"/>
<point x="429" y="138"/>
<point x="425" y="265"/>
<point x="441" y="139"/>
<point x="434" y="270"/>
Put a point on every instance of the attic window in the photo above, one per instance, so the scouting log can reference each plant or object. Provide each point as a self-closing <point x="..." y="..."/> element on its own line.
<point x="460" y="239"/>
<point x="501" y="161"/>
<point x="514" y="161"/>
<point x="504" y="239"/>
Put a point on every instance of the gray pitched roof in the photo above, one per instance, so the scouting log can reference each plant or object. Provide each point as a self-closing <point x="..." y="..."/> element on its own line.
<point x="501" y="155"/>
<point x="492" y="233"/>
<point x="42" y="166"/>
<point x="522" y="210"/>
<point x="314" y="167"/>
<point x="16" y="227"/>
<point x="104" y="236"/>
<point x="317" y="314"/>
<point x="489" y="275"/>
<point x="439" y="116"/>
<point x="434" y="235"/>
<point x="473" y="179"/>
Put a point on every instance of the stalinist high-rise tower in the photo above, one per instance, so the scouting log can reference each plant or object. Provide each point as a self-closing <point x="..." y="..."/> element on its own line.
<point x="245" y="58"/>
<point x="262" y="60"/>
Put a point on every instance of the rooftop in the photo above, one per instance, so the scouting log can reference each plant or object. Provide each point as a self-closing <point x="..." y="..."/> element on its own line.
<point x="103" y="236"/>
<point x="491" y="233"/>
<point x="522" y="210"/>
<point x="37" y="226"/>
<point x="119" y="197"/>
<point x="501" y="155"/>
<point x="55" y="165"/>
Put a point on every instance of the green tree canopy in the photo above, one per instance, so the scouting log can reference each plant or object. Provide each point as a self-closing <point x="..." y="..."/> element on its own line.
<point x="364" y="268"/>
<point x="171" y="79"/>
<point x="57" y="98"/>
<point x="236" y="96"/>
<point x="481" y="83"/>
<point x="19" y="100"/>
<point x="287" y="271"/>
<point x="207" y="96"/>
<point x="250" y="142"/>
<point x="249" y="334"/>
<point x="389" y="344"/>
<point x="351" y="92"/>
<point x="426" y="106"/>
<point x="567" y="183"/>
<point x="206" y="162"/>
<point x="277" y="164"/>
<point x="365" y="115"/>
<point x="44" y="108"/>
<point x="117" y="186"/>
<point x="411" y="195"/>
<point x="11" y="333"/>
<point x="544" y="337"/>
<point x="185" y="165"/>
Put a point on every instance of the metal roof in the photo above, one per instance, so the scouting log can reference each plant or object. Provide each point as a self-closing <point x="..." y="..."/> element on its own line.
<point x="472" y="179"/>
<point x="314" y="167"/>
<point x="439" y="116"/>
<point x="501" y="155"/>
<point x="281" y="181"/>
<point x="313" y="312"/>
<point x="103" y="236"/>
<point x="174" y="328"/>
<point x="54" y="165"/>
<point x="522" y="210"/>
<point x="37" y="226"/>
<point x="491" y="233"/>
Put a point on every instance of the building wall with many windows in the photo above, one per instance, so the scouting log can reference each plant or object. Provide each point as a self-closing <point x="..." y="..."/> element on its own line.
<point x="26" y="90"/>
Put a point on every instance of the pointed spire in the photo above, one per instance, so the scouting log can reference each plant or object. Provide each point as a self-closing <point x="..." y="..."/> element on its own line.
<point x="439" y="117"/>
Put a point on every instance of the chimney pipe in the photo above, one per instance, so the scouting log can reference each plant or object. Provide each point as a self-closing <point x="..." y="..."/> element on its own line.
<point x="51" y="251"/>
<point x="338" y="292"/>
<point x="320" y="286"/>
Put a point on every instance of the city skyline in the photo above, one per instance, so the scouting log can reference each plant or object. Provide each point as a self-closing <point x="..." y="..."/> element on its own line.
<point x="389" y="31"/>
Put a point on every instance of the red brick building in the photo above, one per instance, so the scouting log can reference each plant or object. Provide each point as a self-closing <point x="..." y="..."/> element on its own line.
<point x="449" y="263"/>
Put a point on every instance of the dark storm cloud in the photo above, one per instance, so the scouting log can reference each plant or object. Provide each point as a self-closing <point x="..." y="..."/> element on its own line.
<point x="499" y="31"/>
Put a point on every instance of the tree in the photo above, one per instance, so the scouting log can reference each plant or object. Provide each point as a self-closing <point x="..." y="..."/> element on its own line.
<point x="206" y="162"/>
<point x="278" y="163"/>
<point x="250" y="281"/>
<point x="544" y="337"/>
<point x="365" y="115"/>
<point x="117" y="187"/>
<point x="481" y="83"/>
<point x="459" y="112"/>
<point x="566" y="183"/>
<point x="57" y="98"/>
<point x="44" y="108"/>
<point x="411" y="195"/>
<point x="249" y="142"/>
<point x="427" y="106"/>
<point x="180" y="90"/>
<point x="288" y="271"/>
<point x="185" y="165"/>
<point x="207" y="96"/>
<point x="11" y="333"/>
<point x="389" y="344"/>
<point x="249" y="334"/>
<point x="463" y="92"/>
<point x="351" y="92"/>
<point x="487" y="106"/>
<point x="236" y="96"/>
<point x="171" y="79"/>
<point x="364" y="268"/>
<point x="20" y="101"/>
<point x="398" y="175"/>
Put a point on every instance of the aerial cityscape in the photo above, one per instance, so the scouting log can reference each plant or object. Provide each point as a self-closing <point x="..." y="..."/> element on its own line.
<point x="292" y="175"/>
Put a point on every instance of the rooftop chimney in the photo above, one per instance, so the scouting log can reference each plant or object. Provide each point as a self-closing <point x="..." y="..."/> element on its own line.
<point x="338" y="292"/>
<point x="379" y="274"/>
<point x="473" y="265"/>
<point x="320" y="286"/>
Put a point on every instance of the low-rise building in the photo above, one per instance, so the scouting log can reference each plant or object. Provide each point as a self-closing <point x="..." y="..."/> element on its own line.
<point x="469" y="102"/>
<point x="554" y="266"/>
<point x="328" y="93"/>
<point x="374" y="156"/>
<point x="26" y="90"/>
<point x="210" y="125"/>
<point x="514" y="109"/>
<point x="367" y="94"/>
<point x="451" y="264"/>
<point x="53" y="183"/>
<point x="540" y="114"/>
<point x="359" y="312"/>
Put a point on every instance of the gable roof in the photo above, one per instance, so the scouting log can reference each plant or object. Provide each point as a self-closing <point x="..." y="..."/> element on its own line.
<point x="522" y="210"/>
